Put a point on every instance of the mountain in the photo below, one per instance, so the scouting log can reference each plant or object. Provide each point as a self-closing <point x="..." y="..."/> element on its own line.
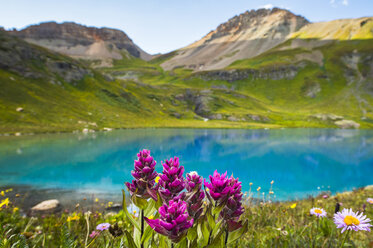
<point x="291" y="73"/>
<point x="244" y="36"/>
<point x="78" y="41"/>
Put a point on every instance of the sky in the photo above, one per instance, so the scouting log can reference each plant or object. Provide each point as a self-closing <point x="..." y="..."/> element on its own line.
<point x="160" y="26"/>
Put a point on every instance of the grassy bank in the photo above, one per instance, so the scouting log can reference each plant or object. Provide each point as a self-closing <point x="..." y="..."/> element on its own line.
<point x="271" y="224"/>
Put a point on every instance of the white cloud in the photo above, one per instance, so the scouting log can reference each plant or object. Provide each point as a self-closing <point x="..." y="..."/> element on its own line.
<point x="335" y="3"/>
<point x="332" y="1"/>
<point x="267" y="6"/>
<point x="345" y="2"/>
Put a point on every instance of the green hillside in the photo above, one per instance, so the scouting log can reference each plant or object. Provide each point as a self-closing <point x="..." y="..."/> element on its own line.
<point x="285" y="87"/>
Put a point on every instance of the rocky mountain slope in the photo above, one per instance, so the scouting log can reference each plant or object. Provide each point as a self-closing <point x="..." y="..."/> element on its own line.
<point x="243" y="36"/>
<point x="311" y="75"/>
<point x="78" y="41"/>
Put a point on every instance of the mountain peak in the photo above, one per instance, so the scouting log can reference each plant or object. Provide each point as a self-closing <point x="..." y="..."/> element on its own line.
<point x="80" y="41"/>
<point x="243" y="36"/>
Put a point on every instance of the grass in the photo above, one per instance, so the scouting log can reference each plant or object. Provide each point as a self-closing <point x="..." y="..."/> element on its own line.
<point x="271" y="224"/>
<point x="144" y="95"/>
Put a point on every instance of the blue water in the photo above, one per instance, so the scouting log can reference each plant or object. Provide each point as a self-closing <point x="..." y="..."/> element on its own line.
<point x="300" y="161"/>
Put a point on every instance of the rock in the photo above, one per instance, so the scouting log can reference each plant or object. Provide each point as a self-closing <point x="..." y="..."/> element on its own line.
<point x="115" y="207"/>
<point x="17" y="134"/>
<point x="19" y="109"/>
<point x="46" y="207"/>
<point x="107" y="129"/>
<point x="327" y="117"/>
<point x="347" y="124"/>
<point x="216" y="117"/>
<point x="86" y="130"/>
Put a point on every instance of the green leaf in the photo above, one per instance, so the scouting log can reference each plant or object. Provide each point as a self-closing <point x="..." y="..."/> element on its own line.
<point x="150" y="208"/>
<point x="162" y="241"/>
<point x="137" y="237"/>
<point x="128" y="215"/>
<point x="192" y="233"/>
<point x="216" y="227"/>
<point x="216" y="242"/>
<point x="139" y="202"/>
<point x="159" y="201"/>
<point x="131" y="243"/>
<point x="233" y="236"/>
<point x="216" y="211"/>
<point x="210" y="219"/>
<point x="205" y="233"/>
<point x="147" y="234"/>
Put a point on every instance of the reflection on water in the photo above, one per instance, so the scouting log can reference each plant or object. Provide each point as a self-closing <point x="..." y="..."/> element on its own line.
<point x="298" y="160"/>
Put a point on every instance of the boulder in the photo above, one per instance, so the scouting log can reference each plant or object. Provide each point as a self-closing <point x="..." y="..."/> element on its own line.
<point x="347" y="124"/>
<point x="19" y="109"/>
<point x="46" y="207"/>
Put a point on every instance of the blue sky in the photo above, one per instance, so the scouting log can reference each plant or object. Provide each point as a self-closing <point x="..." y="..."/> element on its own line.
<point x="165" y="25"/>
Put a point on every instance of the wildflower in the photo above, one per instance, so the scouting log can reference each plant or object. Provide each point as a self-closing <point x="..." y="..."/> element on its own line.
<point x="251" y="184"/>
<point x="97" y="200"/>
<point x="271" y="192"/>
<point x="109" y="204"/>
<point x="103" y="226"/>
<point x="272" y="182"/>
<point x="195" y="195"/>
<point x="157" y="179"/>
<point x="258" y="189"/>
<point x="171" y="181"/>
<point x="174" y="220"/>
<point x="4" y="202"/>
<point x="94" y="234"/>
<point x="233" y="209"/>
<point x="134" y="212"/>
<point x="293" y="205"/>
<point x="2" y="193"/>
<point x="349" y="220"/>
<point x="18" y="195"/>
<point x="219" y="188"/>
<point x="15" y="209"/>
<point x="144" y="174"/>
<point x="319" y="212"/>
<point x="73" y="217"/>
<point x="370" y="200"/>
<point x="8" y="190"/>
<point x="325" y="196"/>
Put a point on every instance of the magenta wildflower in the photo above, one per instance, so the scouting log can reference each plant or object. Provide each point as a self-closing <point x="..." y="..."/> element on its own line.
<point x="174" y="220"/>
<point x="195" y="195"/>
<point x="349" y="220"/>
<point x="218" y="187"/>
<point x="103" y="226"/>
<point x="233" y="208"/>
<point x="325" y="196"/>
<point x="94" y="234"/>
<point x="171" y="182"/>
<point x="144" y="174"/>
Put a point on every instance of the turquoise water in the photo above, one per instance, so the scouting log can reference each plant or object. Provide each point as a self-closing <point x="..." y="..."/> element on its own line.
<point x="300" y="161"/>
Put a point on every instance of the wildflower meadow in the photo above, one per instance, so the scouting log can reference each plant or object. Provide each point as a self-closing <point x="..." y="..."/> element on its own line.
<point x="169" y="209"/>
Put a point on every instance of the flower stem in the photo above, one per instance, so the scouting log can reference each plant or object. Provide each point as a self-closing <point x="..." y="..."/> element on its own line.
<point x="142" y="227"/>
<point x="226" y="237"/>
<point x="344" y="240"/>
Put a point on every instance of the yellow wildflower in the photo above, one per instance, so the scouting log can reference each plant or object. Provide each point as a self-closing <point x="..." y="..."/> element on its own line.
<point x="251" y="184"/>
<point x="157" y="179"/>
<point x="272" y="182"/>
<point x="258" y="188"/>
<point x="151" y="217"/>
<point x="8" y="190"/>
<point x="2" y="193"/>
<point x="73" y="217"/>
<point x="109" y="204"/>
<point x="4" y="202"/>
<point x="293" y="205"/>
<point x="207" y="189"/>
<point x="18" y="195"/>
<point x="134" y="211"/>
<point x="15" y="209"/>
<point x="96" y="200"/>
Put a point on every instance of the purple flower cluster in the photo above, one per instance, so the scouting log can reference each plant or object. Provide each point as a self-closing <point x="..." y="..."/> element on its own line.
<point x="174" y="220"/>
<point x="227" y="191"/>
<point x="171" y="181"/>
<point x="195" y="195"/>
<point x="144" y="174"/>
